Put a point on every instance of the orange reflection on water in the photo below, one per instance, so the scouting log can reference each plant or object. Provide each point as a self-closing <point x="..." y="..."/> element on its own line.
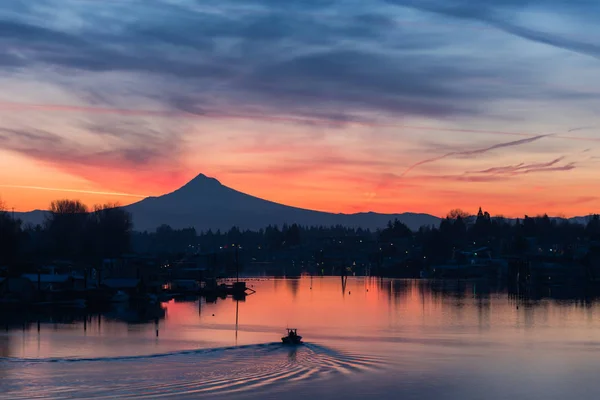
<point x="368" y="312"/>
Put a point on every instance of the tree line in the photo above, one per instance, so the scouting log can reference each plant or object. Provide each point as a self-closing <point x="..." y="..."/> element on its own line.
<point x="73" y="232"/>
<point x="70" y="231"/>
<point x="505" y="236"/>
<point x="459" y="230"/>
<point x="166" y="240"/>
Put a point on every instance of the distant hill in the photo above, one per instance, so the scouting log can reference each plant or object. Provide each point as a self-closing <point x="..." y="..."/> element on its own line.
<point x="35" y="217"/>
<point x="204" y="203"/>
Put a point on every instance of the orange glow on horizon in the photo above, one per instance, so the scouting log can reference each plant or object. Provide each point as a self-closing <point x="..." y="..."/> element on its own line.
<point x="338" y="196"/>
<point x="346" y="168"/>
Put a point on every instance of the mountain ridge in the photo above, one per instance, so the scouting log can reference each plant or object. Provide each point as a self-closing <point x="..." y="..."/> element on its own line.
<point x="205" y="203"/>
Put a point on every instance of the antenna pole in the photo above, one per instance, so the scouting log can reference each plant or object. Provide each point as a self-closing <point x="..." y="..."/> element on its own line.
<point x="237" y="264"/>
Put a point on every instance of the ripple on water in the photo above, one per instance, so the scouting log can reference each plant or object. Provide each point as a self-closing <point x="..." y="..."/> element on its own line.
<point x="206" y="371"/>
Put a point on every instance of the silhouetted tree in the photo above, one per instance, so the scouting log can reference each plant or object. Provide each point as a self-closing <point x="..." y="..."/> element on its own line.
<point x="457" y="213"/>
<point x="291" y="235"/>
<point x="168" y="240"/>
<point x="10" y="235"/>
<point x="110" y="230"/>
<point x="234" y="235"/>
<point x="482" y="229"/>
<point x="71" y="231"/>
<point x="437" y="248"/>
<point x="395" y="230"/>
<point x="592" y="229"/>
<point x="273" y="237"/>
<point x="66" y="227"/>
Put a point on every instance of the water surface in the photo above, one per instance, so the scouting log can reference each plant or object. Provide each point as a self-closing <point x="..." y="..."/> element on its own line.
<point x="364" y="337"/>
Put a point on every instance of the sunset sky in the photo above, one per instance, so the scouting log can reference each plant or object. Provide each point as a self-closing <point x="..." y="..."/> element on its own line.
<point x="343" y="106"/>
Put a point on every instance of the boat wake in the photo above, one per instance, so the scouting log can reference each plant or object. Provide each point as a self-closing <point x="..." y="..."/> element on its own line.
<point x="219" y="371"/>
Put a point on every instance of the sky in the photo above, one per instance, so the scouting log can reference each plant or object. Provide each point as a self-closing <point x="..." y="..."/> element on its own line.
<point x="342" y="106"/>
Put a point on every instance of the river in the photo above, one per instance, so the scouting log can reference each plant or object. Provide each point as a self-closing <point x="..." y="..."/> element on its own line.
<point x="364" y="337"/>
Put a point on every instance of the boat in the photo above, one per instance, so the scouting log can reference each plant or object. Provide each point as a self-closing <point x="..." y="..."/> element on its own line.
<point x="292" y="337"/>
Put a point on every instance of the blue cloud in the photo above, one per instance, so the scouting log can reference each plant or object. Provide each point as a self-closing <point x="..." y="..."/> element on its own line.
<point x="324" y="55"/>
<point x="334" y="59"/>
<point x="501" y="14"/>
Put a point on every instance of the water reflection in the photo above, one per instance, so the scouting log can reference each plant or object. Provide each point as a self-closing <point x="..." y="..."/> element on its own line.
<point x="480" y="334"/>
<point x="321" y="307"/>
<point x="292" y="355"/>
<point x="459" y="290"/>
<point x="293" y="285"/>
<point x="30" y="319"/>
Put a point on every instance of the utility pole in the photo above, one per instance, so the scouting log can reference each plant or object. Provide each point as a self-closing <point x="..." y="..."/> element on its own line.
<point x="237" y="264"/>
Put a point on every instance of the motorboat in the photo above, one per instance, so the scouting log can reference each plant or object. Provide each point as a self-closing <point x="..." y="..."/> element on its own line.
<point x="292" y="337"/>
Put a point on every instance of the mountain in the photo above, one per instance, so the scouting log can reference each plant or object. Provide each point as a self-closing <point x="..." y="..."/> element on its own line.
<point x="35" y="217"/>
<point x="205" y="203"/>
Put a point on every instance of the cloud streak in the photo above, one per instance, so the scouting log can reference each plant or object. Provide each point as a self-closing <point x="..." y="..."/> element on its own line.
<point x="285" y="60"/>
<point x="220" y="115"/>
<point x="153" y="155"/>
<point x="523" y="168"/>
<point x="135" y="150"/>
<point x="500" y="13"/>
<point x="52" y="189"/>
<point x="139" y="104"/>
<point x="474" y="152"/>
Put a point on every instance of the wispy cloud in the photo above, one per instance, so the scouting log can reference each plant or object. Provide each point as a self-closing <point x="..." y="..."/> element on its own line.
<point x="316" y="119"/>
<point x="523" y="168"/>
<point x="500" y="14"/>
<point x="141" y="101"/>
<point x="66" y="190"/>
<point x="492" y="174"/>
<point x="154" y="155"/>
<point x="568" y="167"/>
<point x="474" y="152"/>
<point x="581" y="128"/>
<point x="132" y="147"/>
<point x="285" y="60"/>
